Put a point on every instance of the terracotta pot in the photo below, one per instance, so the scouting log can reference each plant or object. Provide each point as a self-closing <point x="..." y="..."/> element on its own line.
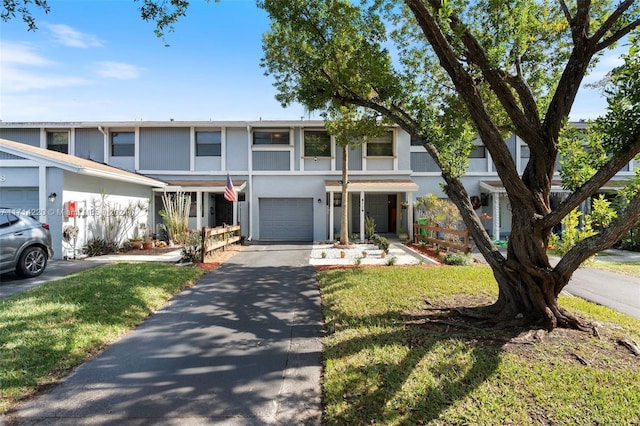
<point x="136" y="244"/>
<point x="147" y="245"/>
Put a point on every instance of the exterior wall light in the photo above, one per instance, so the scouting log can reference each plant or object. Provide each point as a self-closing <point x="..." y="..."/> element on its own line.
<point x="52" y="197"/>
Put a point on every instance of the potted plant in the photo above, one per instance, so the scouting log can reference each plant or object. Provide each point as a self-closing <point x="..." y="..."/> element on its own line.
<point x="136" y="240"/>
<point x="403" y="234"/>
<point x="148" y="243"/>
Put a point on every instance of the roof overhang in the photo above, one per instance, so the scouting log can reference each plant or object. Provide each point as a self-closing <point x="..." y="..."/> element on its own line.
<point x="202" y="185"/>
<point x="78" y="165"/>
<point x="382" y="185"/>
<point x="497" y="187"/>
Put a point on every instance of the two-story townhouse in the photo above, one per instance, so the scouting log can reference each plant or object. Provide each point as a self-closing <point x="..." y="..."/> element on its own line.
<point x="287" y="174"/>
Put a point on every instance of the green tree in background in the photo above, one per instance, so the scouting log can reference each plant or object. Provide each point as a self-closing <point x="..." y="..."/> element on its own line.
<point x="350" y="127"/>
<point x="448" y="70"/>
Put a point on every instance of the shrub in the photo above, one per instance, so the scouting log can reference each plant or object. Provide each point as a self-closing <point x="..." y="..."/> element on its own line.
<point x="572" y="233"/>
<point x="391" y="261"/>
<point x="381" y="242"/>
<point x="457" y="259"/>
<point x="369" y="227"/>
<point x="95" y="247"/>
<point x="175" y="214"/>
<point x="192" y="247"/>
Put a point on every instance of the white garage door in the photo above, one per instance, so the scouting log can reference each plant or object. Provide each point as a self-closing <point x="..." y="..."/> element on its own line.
<point x="286" y="219"/>
<point x="19" y="198"/>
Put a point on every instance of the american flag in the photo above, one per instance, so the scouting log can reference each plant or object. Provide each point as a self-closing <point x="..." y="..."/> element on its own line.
<point x="229" y="192"/>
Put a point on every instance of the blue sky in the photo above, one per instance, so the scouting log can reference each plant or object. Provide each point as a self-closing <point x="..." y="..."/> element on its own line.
<point x="98" y="61"/>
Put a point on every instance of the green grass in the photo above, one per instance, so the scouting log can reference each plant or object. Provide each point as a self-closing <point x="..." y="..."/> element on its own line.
<point x="48" y="330"/>
<point x="384" y="365"/>
<point x="628" y="268"/>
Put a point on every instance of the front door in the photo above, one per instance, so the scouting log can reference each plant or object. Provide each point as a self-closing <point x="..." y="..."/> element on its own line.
<point x="222" y="211"/>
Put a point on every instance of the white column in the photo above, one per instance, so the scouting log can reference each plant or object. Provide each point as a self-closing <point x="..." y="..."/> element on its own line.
<point x="43" y="195"/>
<point x="496" y="216"/>
<point x="410" y="215"/>
<point x="193" y="149"/>
<point x="236" y="220"/>
<point x="362" y="236"/>
<point x="199" y="210"/>
<point x="331" y="215"/>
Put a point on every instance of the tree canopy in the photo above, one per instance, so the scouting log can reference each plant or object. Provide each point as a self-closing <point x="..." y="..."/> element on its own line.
<point x="448" y="70"/>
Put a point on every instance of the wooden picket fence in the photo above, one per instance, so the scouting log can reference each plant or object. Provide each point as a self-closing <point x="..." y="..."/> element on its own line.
<point x="452" y="238"/>
<point x="217" y="238"/>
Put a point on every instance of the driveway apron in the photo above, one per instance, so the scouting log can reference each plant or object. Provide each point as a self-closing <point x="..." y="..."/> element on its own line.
<point x="242" y="347"/>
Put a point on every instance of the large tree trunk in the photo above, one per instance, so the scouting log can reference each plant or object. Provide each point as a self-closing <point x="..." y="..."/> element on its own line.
<point x="528" y="285"/>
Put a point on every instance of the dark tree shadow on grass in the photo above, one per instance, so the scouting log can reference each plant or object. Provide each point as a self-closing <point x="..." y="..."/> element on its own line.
<point x="378" y="370"/>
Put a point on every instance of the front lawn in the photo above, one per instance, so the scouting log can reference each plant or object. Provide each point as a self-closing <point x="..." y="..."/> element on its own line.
<point x="394" y="357"/>
<point x="46" y="331"/>
<point x="627" y="268"/>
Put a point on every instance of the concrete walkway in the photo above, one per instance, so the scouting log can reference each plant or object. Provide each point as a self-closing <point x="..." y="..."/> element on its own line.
<point x="242" y="347"/>
<point x="366" y="254"/>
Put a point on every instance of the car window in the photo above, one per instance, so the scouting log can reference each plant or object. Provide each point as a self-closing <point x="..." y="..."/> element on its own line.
<point x="7" y="219"/>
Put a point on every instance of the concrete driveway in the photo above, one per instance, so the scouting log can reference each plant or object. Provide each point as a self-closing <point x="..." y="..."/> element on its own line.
<point x="242" y="347"/>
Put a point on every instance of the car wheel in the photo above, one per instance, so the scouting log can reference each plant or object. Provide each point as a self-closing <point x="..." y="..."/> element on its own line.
<point x="32" y="262"/>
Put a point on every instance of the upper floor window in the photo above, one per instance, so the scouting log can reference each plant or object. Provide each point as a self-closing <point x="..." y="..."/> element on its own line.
<point x="123" y="144"/>
<point x="524" y="151"/>
<point x="478" y="151"/>
<point x="271" y="137"/>
<point x="415" y="141"/>
<point x="317" y="143"/>
<point x="58" y="141"/>
<point x="382" y="146"/>
<point x="209" y="144"/>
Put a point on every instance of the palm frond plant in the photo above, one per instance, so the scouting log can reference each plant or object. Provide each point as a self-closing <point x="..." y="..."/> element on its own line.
<point x="176" y="215"/>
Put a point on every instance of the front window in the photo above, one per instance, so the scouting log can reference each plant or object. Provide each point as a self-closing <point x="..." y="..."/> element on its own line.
<point x="58" y="141"/>
<point x="478" y="151"/>
<point x="524" y="151"/>
<point x="317" y="144"/>
<point x="382" y="146"/>
<point x="209" y="144"/>
<point x="122" y="144"/>
<point x="271" y="137"/>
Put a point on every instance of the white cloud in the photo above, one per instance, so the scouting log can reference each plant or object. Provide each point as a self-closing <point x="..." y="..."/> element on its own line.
<point x="67" y="36"/>
<point x="21" y="67"/>
<point x="20" y="54"/>
<point x="20" y="80"/>
<point x="605" y="64"/>
<point x="118" y="70"/>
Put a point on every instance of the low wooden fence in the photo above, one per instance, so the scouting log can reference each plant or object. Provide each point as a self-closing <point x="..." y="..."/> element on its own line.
<point x="218" y="238"/>
<point x="452" y="238"/>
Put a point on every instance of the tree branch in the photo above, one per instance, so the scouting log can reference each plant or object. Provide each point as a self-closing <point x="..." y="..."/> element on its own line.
<point x="617" y="35"/>
<point x="465" y="86"/>
<point x="567" y="14"/>
<point x="612" y="19"/>
<point x="592" y="185"/>
<point x="605" y="239"/>
<point x="495" y="77"/>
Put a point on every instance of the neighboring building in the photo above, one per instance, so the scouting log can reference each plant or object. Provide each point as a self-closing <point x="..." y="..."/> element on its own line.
<point x="286" y="173"/>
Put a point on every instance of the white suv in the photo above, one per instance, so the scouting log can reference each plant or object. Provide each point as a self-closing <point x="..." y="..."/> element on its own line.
<point x="25" y="243"/>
